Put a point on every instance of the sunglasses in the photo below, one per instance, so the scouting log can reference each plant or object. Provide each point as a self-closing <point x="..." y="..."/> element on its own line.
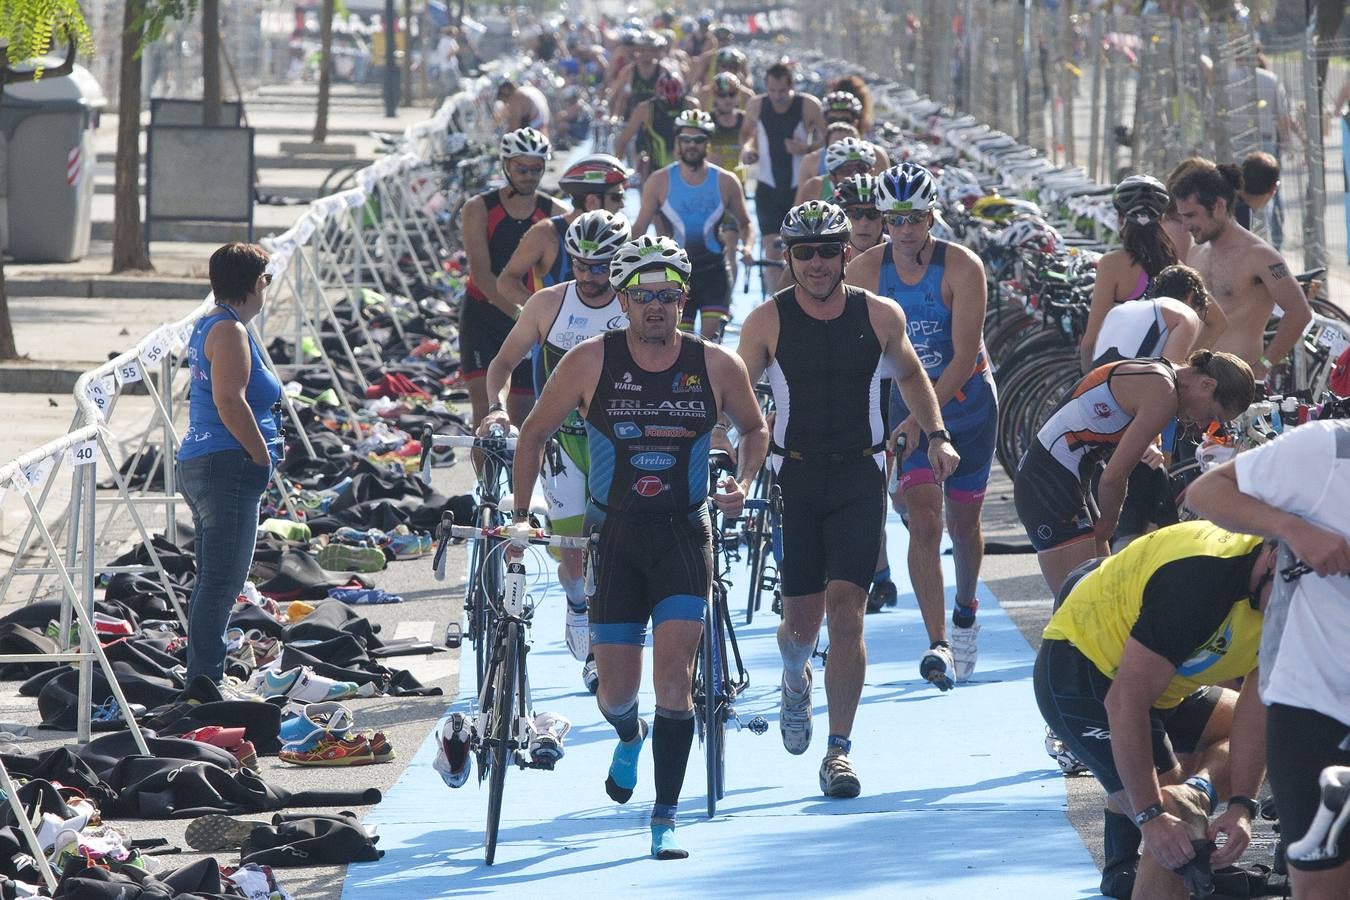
<point x="804" y="252"/>
<point x="527" y="170"/>
<point x="871" y="214"/>
<point x="895" y="220"/>
<point x="665" y="297"/>
<point x="593" y="268"/>
<point x="693" y="139"/>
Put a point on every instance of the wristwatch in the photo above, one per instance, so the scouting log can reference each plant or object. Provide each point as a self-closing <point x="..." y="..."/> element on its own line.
<point x="940" y="434"/>
<point x="495" y="406"/>
<point x="520" y="514"/>
<point x="1148" y="814"/>
<point x="1247" y="802"/>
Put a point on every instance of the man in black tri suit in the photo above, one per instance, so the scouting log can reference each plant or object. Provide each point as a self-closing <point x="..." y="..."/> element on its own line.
<point x="781" y="125"/>
<point x="650" y="396"/>
<point x="822" y="346"/>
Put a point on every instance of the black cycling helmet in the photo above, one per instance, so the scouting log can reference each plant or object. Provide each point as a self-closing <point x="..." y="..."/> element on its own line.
<point x="1140" y="199"/>
<point x="855" y="190"/>
<point x="815" y="222"/>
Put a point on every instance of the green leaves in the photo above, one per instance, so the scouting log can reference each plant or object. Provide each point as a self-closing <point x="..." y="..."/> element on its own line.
<point x="30" y="26"/>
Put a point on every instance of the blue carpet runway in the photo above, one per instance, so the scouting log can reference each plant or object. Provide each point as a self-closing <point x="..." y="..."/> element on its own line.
<point x="959" y="799"/>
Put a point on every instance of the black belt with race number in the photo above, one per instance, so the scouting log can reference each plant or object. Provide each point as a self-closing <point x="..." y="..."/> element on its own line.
<point x="821" y="456"/>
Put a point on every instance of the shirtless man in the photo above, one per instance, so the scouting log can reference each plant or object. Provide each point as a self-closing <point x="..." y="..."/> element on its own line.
<point x="1246" y="276"/>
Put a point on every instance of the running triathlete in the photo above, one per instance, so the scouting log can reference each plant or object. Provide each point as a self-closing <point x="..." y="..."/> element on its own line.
<point x="636" y="80"/>
<point x="541" y="260"/>
<point x="845" y="157"/>
<point x="822" y="345"/>
<point x="781" y="125"/>
<point x="1247" y="276"/>
<point x="653" y="123"/>
<point x="1114" y="414"/>
<point x="554" y="320"/>
<point x="1128" y="676"/>
<point x="728" y="98"/>
<point x="728" y="88"/>
<point x="840" y="108"/>
<point x="941" y="288"/>
<point x="1297" y="489"/>
<point x="649" y="396"/>
<point x="493" y="224"/>
<point x="694" y="196"/>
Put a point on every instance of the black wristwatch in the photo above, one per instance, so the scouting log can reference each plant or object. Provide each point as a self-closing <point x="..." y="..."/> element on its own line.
<point x="520" y="514"/>
<point x="496" y="406"/>
<point x="940" y="434"/>
<point x="1148" y="814"/>
<point x="1246" y="802"/>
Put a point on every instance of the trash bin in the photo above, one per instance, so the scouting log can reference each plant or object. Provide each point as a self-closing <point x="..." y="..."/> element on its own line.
<point x="47" y="160"/>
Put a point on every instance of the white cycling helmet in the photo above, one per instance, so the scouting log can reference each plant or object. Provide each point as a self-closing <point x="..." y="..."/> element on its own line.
<point x="597" y="235"/>
<point x="906" y="188"/>
<point x="849" y="150"/>
<point x="815" y="222"/>
<point x="664" y="259"/>
<point x="695" y="118"/>
<point x="1028" y="231"/>
<point x="524" y="142"/>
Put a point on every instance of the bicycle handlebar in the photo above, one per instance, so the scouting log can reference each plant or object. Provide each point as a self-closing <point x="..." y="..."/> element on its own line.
<point x="536" y="536"/>
<point x="491" y="444"/>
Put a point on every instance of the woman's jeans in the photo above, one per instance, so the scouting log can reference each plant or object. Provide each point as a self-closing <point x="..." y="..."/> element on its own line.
<point x="224" y="491"/>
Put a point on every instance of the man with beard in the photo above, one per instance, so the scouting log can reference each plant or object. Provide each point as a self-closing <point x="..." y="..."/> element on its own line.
<point x="941" y="288"/>
<point x="1246" y="276"/>
<point x="781" y="126"/>
<point x="493" y="224"/>
<point x="649" y="396"/>
<point x="693" y="195"/>
<point x="555" y="320"/>
<point x="822" y="346"/>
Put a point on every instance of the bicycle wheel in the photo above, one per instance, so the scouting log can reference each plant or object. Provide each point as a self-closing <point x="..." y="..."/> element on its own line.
<point x="489" y="586"/>
<point x="713" y="734"/>
<point x="503" y="729"/>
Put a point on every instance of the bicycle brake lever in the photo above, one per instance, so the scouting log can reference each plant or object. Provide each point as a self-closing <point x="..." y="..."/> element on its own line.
<point x="424" y="467"/>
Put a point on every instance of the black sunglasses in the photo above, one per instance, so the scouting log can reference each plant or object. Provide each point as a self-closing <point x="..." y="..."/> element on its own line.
<point x="871" y="214"/>
<point x="693" y="138"/>
<point x="805" y="252"/>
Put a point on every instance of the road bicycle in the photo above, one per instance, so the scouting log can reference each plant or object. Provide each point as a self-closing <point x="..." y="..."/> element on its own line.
<point x="719" y="673"/>
<point x="494" y="454"/>
<point x="503" y="724"/>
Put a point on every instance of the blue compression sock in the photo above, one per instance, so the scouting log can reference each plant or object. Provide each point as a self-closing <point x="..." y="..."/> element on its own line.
<point x="623" y="767"/>
<point x="664" y="845"/>
<point x="881" y="575"/>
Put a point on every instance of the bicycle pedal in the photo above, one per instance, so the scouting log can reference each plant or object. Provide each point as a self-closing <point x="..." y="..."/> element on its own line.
<point x="454" y="636"/>
<point x="757" y="725"/>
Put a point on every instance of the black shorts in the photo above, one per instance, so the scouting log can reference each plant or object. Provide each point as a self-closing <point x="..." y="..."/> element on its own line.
<point x="648" y="568"/>
<point x="1050" y="500"/>
<point x="709" y="290"/>
<point x="1071" y="694"/>
<point x="482" y="331"/>
<point x="1300" y="743"/>
<point x="831" y="530"/>
<point x="771" y="207"/>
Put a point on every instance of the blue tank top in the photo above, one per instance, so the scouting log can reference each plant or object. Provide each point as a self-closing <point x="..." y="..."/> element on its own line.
<point x="206" y="432"/>
<point x="562" y="264"/>
<point x="694" y="212"/>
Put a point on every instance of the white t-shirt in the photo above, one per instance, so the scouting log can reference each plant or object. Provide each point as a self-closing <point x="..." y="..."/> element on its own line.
<point x="1306" y="471"/>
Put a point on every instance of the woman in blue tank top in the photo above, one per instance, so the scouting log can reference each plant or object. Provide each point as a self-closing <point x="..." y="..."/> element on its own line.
<point x="232" y="442"/>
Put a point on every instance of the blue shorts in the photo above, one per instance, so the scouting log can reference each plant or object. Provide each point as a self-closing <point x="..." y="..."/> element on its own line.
<point x="972" y="419"/>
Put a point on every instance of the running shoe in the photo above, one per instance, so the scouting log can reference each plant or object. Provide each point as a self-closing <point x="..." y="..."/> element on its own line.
<point x="546" y="738"/>
<point x="332" y="751"/>
<point x="340" y="558"/>
<point x="882" y="595"/>
<point x="217" y="832"/>
<point x="794" y="716"/>
<point x="1068" y="763"/>
<point x="410" y="546"/>
<point x="578" y="632"/>
<point x="453" y="759"/>
<point x="837" y="778"/>
<point x="964" y="651"/>
<point x="937" y="666"/>
<point x="590" y="675"/>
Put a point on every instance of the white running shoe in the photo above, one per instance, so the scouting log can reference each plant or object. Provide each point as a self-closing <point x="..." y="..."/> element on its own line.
<point x="578" y="633"/>
<point x="936" y="667"/>
<point x="794" y="716"/>
<point x="964" y="651"/>
<point x="590" y="675"/>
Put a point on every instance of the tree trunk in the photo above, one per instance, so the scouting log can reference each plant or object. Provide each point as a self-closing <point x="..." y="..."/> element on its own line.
<point x="210" y="62"/>
<point x="325" y="71"/>
<point x="129" y="245"/>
